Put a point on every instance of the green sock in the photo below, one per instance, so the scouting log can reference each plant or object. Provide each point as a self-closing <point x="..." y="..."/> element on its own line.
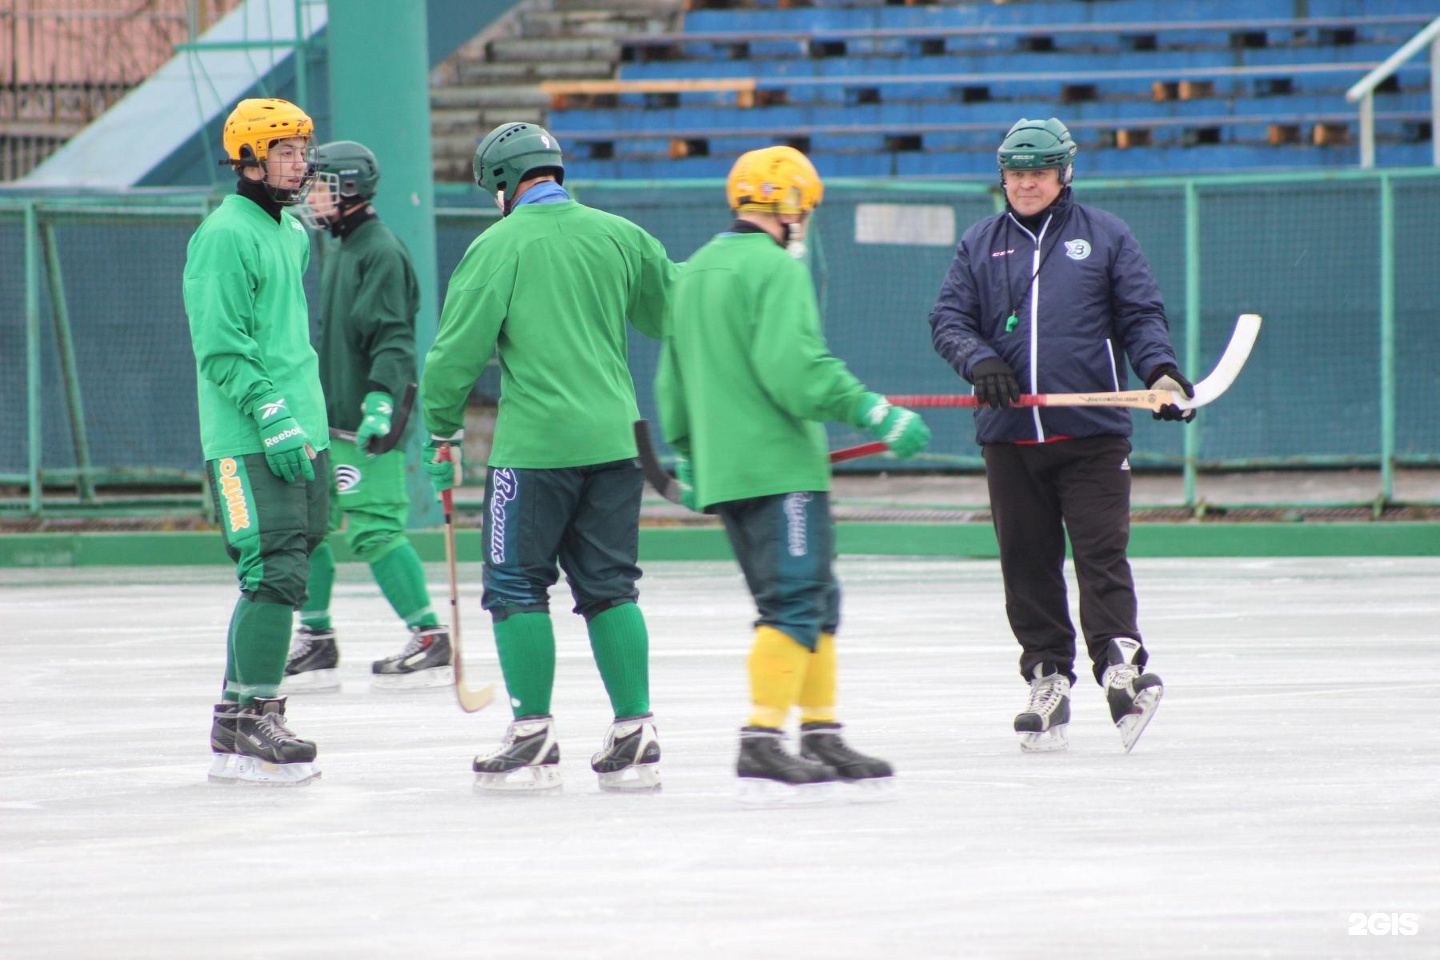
<point x="621" y="645"/>
<point x="259" y="642"/>
<point x="315" y="611"/>
<point x="401" y="576"/>
<point x="526" y="643"/>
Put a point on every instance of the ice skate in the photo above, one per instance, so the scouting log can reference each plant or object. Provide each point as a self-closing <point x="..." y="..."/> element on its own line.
<point x="1043" y="725"/>
<point x="629" y="760"/>
<point x="768" y="776"/>
<point x="1134" y="696"/>
<point x="224" y="761"/>
<point x="312" y="665"/>
<point x="871" y="777"/>
<point x="528" y="758"/>
<point x="268" y="752"/>
<point x="425" y="662"/>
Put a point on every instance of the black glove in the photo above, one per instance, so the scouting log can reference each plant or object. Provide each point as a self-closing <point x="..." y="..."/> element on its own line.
<point x="1170" y="378"/>
<point x="995" y="383"/>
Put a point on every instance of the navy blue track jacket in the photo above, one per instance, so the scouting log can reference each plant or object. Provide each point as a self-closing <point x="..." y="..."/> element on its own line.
<point x="1092" y="302"/>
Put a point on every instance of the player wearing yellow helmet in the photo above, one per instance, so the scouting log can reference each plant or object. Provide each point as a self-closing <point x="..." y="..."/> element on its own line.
<point x="745" y="386"/>
<point x="262" y="426"/>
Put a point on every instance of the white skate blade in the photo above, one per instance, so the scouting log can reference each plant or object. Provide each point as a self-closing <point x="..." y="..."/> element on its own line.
<point x="758" y="792"/>
<point x="1133" y="724"/>
<point x="253" y="770"/>
<point x="311" y="681"/>
<point x="224" y="768"/>
<point x="870" y="790"/>
<point x="636" y="778"/>
<point x="419" y="680"/>
<point x="521" y="780"/>
<point x="1053" y="740"/>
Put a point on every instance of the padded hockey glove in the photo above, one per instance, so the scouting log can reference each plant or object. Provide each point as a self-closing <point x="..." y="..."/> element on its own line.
<point x="1170" y="378"/>
<point x="685" y="480"/>
<point x="378" y="408"/>
<point x="447" y="473"/>
<point x="900" y="429"/>
<point x="287" y="448"/>
<point x="995" y="383"/>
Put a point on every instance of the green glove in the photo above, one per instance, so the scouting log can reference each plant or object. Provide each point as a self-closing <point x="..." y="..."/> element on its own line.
<point x="685" y="480"/>
<point x="378" y="407"/>
<point x="444" y="470"/>
<point x="901" y="430"/>
<point x="287" y="449"/>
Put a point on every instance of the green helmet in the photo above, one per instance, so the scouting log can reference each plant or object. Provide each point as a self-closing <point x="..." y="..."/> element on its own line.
<point x="1038" y="145"/>
<point x="511" y="151"/>
<point x="354" y="168"/>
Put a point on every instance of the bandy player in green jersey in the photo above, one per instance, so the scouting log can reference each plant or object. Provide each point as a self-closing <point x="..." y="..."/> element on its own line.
<point x="262" y="427"/>
<point x="550" y="288"/>
<point x="745" y="386"/>
<point x="368" y="300"/>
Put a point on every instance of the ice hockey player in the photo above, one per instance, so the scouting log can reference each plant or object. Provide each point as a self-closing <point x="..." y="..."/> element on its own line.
<point x="368" y="300"/>
<point x="745" y="386"/>
<point x="1056" y="295"/>
<point x="551" y="287"/>
<point x="262" y="427"/>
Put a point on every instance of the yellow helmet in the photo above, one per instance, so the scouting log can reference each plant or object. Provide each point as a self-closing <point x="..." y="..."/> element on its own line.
<point x="255" y="124"/>
<point x="774" y="180"/>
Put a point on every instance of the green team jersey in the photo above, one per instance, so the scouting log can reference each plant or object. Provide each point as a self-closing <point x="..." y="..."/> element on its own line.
<point x="549" y="288"/>
<point x="746" y="381"/>
<point x="250" y="326"/>
<point x="368" y="300"/>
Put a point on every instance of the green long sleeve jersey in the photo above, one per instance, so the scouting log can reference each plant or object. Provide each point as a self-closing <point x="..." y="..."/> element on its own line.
<point x="250" y="326"/>
<point x="746" y="381"/>
<point x="549" y="289"/>
<point x="368" y="301"/>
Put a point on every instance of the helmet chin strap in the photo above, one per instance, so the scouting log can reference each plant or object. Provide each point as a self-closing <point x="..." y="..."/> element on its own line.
<point x="794" y="241"/>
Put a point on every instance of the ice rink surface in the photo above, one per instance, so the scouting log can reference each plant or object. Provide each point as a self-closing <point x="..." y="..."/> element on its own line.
<point x="1285" y="795"/>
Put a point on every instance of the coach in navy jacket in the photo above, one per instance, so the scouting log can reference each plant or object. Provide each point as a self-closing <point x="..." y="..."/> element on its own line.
<point x="1052" y="296"/>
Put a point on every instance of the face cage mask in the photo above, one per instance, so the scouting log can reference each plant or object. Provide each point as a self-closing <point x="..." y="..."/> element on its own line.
<point x="289" y="198"/>
<point x="310" y="214"/>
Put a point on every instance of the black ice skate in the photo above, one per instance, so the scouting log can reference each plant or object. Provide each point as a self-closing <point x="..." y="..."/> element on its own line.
<point x="267" y="751"/>
<point x="822" y="743"/>
<point x="629" y="759"/>
<point x="1134" y="696"/>
<point x="1044" y="723"/>
<point x="528" y="758"/>
<point x="224" y="761"/>
<point x="769" y="775"/>
<point x="312" y="666"/>
<point x="425" y="662"/>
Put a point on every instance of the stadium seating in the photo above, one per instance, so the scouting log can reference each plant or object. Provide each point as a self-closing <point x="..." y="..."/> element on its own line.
<point x="918" y="89"/>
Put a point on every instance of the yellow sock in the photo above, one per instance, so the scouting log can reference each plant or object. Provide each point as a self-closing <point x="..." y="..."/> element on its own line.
<point x="817" y="695"/>
<point x="777" y="669"/>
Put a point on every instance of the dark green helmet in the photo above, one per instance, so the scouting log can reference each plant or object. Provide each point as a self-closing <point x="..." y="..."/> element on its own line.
<point x="1038" y="145"/>
<point x="511" y="151"/>
<point x="354" y="168"/>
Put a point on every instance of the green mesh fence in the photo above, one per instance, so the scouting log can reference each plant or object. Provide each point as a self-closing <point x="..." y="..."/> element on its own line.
<point x="1346" y="349"/>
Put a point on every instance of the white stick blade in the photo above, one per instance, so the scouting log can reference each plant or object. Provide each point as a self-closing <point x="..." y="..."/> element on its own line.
<point x="1237" y="351"/>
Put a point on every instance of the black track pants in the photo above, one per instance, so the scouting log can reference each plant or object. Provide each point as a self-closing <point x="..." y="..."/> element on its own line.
<point x="1038" y="492"/>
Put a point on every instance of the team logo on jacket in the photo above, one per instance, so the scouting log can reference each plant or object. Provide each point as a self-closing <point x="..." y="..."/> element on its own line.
<point x="1077" y="249"/>
<point x="347" y="477"/>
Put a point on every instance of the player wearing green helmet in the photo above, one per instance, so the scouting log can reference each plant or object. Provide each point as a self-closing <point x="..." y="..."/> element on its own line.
<point x="552" y="288"/>
<point x="369" y="297"/>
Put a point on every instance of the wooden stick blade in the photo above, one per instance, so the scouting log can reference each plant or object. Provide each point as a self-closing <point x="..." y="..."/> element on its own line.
<point x="473" y="699"/>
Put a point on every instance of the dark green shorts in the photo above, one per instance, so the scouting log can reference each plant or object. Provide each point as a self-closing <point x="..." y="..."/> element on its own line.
<point x="786" y="547"/>
<point x="270" y="526"/>
<point x="368" y="495"/>
<point x="586" y="519"/>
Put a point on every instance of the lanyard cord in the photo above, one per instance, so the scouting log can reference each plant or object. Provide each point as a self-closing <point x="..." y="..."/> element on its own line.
<point x="1012" y="320"/>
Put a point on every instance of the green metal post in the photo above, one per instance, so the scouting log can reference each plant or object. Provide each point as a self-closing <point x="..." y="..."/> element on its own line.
<point x="1190" y="361"/>
<point x="380" y="96"/>
<point x="1387" y="343"/>
<point x="65" y="344"/>
<point x="32" y="354"/>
